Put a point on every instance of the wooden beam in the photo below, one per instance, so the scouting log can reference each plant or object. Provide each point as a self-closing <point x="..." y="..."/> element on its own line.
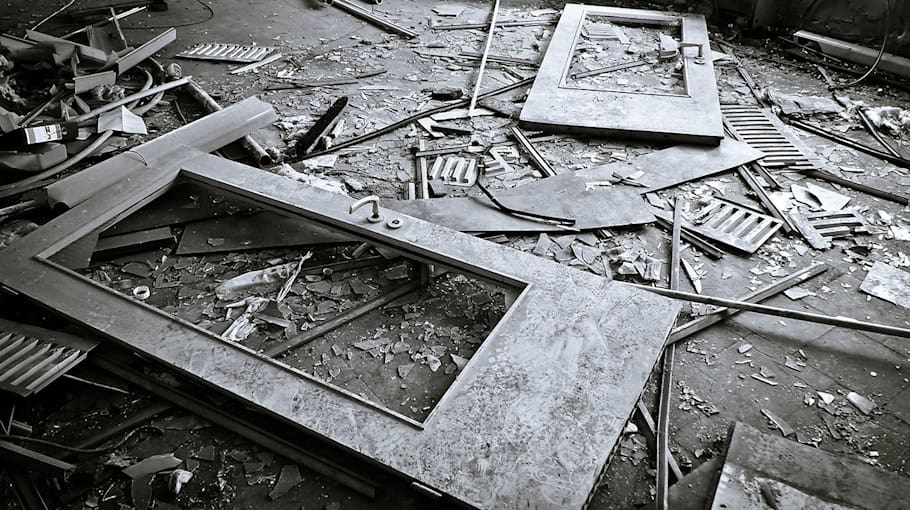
<point x="17" y="455"/>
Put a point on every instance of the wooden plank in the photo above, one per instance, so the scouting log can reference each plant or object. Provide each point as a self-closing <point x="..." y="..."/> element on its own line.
<point x="503" y="407"/>
<point x="887" y="282"/>
<point x="691" y="118"/>
<point x="801" y="474"/>
<point x="79" y="254"/>
<point x="251" y="232"/>
<point x="145" y="51"/>
<point x="133" y="242"/>
<point x="26" y="458"/>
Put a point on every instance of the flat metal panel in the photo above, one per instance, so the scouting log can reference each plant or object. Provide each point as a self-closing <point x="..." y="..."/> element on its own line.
<point x="529" y="423"/>
<point x="694" y="117"/>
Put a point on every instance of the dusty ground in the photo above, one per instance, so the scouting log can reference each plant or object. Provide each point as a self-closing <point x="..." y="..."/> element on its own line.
<point x="713" y="384"/>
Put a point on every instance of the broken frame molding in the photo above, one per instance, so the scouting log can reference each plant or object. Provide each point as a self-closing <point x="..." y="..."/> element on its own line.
<point x="691" y="118"/>
<point x="530" y="421"/>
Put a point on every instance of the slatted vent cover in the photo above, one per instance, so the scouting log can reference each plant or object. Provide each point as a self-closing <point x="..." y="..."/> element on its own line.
<point x="28" y="364"/>
<point x="734" y="225"/>
<point x="764" y="131"/>
<point x="227" y="52"/>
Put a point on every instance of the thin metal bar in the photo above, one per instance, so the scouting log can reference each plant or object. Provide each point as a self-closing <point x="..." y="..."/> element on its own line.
<point x="483" y="59"/>
<point x="359" y="12"/>
<point x="536" y="157"/>
<point x="694" y="326"/>
<point x="843" y="322"/>
<point x="609" y="69"/>
<point x="765" y="199"/>
<point x="853" y="144"/>
<point x="666" y="379"/>
<point x="341" y="319"/>
<point x="652" y="427"/>
<point x="421" y="115"/>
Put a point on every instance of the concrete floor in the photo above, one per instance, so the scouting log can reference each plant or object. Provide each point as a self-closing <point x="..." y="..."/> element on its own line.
<point x="322" y="43"/>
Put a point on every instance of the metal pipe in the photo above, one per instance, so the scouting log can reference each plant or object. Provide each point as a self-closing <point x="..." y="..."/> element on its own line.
<point x="360" y="12"/>
<point x="210" y="105"/>
<point x="483" y="60"/>
<point x="843" y="322"/>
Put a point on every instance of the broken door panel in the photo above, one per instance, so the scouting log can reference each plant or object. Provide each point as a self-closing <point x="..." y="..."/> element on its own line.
<point x="529" y="422"/>
<point x="651" y="79"/>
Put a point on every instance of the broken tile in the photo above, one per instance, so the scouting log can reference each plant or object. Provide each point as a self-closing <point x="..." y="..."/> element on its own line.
<point x="287" y="480"/>
<point x="152" y="465"/>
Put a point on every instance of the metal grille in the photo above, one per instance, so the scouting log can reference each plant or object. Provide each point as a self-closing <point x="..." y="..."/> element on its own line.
<point x="454" y="170"/>
<point x="765" y="132"/>
<point x="28" y="364"/>
<point x="820" y="227"/>
<point x="227" y="52"/>
<point x="734" y="225"/>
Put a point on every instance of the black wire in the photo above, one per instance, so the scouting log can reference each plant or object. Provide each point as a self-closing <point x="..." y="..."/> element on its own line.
<point x="881" y="51"/>
<point x="189" y="24"/>
<point x="519" y="213"/>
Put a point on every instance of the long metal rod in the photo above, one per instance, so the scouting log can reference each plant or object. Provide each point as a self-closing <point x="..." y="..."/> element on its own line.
<point x="421" y="115"/>
<point x="694" y="326"/>
<point x="609" y="69"/>
<point x="503" y="24"/>
<point x="342" y="319"/>
<point x="858" y="186"/>
<point x="843" y="322"/>
<point x="765" y="199"/>
<point x="666" y="378"/>
<point x="853" y="144"/>
<point x="652" y="427"/>
<point x="875" y="134"/>
<point x="362" y="13"/>
<point x="212" y="106"/>
<point x="483" y="59"/>
<point x="536" y="157"/>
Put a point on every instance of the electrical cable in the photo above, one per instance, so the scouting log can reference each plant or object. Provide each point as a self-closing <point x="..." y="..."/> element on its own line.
<point x="881" y="51"/>
<point x="187" y="24"/>
<point x="34" y="440"/>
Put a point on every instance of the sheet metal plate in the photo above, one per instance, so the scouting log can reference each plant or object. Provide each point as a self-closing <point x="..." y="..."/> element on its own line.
<point x="529" y="423"/>
<point x="691" y="118"/>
